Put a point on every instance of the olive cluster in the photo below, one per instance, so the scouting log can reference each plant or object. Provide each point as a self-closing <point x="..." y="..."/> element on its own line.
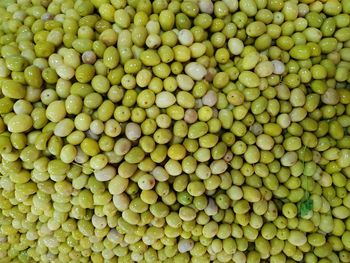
<point x="175" y="131"/>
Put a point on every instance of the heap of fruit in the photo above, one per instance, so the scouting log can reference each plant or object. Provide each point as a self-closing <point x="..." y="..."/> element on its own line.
<point x="174" y="131"/>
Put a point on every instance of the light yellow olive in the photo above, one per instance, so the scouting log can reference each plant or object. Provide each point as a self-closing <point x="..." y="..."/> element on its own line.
<point x="13" y="89"/>
<point x="249" y="79"/>
<point x="20" y="123"/>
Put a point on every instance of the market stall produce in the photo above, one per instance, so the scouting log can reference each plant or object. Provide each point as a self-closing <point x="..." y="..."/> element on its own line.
<point x="174" y="131"/>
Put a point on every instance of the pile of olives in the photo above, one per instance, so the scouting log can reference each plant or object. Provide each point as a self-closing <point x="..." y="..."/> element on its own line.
<point x="174" y="131"/>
